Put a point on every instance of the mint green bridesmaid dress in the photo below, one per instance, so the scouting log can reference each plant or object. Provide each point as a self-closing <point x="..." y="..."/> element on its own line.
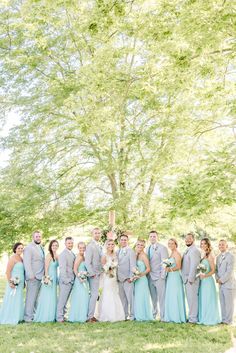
<point x="143" y="310"/>
<point x="47" y="300"/>
<point x="175" y="310"/>
<point x="208" y="303"/>
<point x="79" y="298"/>
<point x="12" y="309"/>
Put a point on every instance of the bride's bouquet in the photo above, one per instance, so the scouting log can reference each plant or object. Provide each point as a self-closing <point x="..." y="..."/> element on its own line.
<point x="110" y="267"/>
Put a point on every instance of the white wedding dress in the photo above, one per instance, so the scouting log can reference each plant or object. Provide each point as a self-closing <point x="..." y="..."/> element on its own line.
<point x="110" y="307"/>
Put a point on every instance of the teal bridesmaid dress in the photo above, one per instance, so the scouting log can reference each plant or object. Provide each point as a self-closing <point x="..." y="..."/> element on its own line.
<point x="79" y="299"/>
<point x="208" y="304"/>
<point x="12" y="310"/>
<point x="47" y="300"/>
<point x="175" y="310"/>
<point x="143" y="310"/>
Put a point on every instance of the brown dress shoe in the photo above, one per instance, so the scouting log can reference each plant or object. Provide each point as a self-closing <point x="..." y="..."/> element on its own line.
<point x="94" y="319"/>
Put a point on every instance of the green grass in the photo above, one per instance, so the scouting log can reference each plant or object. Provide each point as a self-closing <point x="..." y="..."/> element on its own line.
<point x="130" y="337"/>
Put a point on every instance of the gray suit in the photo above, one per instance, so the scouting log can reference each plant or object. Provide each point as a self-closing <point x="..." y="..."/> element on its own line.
<point x="225" y="273"/>
<point x="191" y="260"/>
<point x="157" y="277"/>
<point x="93" y="256"/>
<point x="126" y="264"/>
<point x="34" y="271"/>
<point x="66" y="279"/>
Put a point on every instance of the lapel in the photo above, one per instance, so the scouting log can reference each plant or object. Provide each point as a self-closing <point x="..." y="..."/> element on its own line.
<point x="41" y="252"/>
<point x="221" y="260"/>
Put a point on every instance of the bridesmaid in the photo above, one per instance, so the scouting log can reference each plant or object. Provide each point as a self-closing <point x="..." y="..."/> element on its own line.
<point x="80" y="292"/>
<point x="143" y="310"/>
<point x="47" y="301"/>
<point x="12" y="310"/>
<point x="174" y="298"/>
<point x="208" y="307"/>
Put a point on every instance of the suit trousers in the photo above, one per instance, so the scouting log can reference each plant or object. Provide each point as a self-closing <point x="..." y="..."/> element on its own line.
<point x="157" y="291"/>
<point x="32" y="291"/>
<point x="64" y="293"/>
<point x="94" y="291"/>
<point x="126" y="292"/>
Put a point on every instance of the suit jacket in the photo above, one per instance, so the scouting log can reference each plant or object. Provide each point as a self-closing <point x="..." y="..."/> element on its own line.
<point x="225" y="270"/>
<point x="158" y="255"/>
<point x="66" y="266"/>
<point x="34" y="261"/>
<point x="93" y="256"/>
<point x="190" y="261"/>
<point x="126" y="263"/>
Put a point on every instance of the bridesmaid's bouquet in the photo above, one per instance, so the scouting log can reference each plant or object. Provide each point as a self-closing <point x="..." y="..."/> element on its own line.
<point x="82" y="275"/>
<point x="15" y="281"/>
<point x="201" y="269"/>
<point x="46" y="280"/>
<point x="135" y="274"/>
<point x="167" y="263"/>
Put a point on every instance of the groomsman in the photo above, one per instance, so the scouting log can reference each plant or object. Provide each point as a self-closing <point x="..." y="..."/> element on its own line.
<point x="190" y="261"/>
<point x="66" y="277"/>
<point x="34" y="271"/>
<point x="157" y="277"/>
<point x="126" y="266"/>
<point x="225" y="277"/>
<point x="93" y="256"/>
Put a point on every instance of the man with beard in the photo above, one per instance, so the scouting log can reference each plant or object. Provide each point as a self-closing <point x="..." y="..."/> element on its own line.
<point x="34" y="271"/>
<point x="191" y="260"/>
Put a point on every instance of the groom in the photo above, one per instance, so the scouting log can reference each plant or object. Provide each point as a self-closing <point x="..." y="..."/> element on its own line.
<point x="126" y="266"/>
<point x="66" y="277"/>
<point x="191" y="260"/>
<point x="34" y="271"/>
<point x="93" y="256"/>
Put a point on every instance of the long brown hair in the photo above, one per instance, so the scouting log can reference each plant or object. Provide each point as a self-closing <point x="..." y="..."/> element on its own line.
<point x="209" y="247"/>
<point x="50" y="247"/>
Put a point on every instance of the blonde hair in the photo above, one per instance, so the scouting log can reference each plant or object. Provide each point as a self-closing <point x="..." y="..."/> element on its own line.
<point x="175" y="241"/>
<point x="109" y="241"/>
<point x="139" y="240"/>
<point x="81" y="243"/>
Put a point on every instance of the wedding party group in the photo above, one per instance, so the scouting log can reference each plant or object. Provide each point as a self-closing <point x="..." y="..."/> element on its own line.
<point x="108" y="284"/>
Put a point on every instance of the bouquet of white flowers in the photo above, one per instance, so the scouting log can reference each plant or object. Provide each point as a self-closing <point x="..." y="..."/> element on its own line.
<point x="135" y="274"/>
<point x="15" y="281"/>
<point x="47" y="280"/>
<point x="201" y="269"/>
<point x="167" y="263"/>
<point x="82" y="275"/>
<point x="110" y="267"/>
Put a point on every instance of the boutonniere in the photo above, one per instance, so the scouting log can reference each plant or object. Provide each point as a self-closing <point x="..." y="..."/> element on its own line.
<point x="124" y="252"/>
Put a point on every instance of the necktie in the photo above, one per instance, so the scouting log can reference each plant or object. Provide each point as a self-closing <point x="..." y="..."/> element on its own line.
<point x="42" y="250"/>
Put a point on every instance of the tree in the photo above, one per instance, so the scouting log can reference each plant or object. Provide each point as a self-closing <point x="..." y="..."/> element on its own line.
<point x="111" y="96"/>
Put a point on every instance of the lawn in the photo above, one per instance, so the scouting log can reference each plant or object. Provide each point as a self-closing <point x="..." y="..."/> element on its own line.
<point x="130" y="337"/>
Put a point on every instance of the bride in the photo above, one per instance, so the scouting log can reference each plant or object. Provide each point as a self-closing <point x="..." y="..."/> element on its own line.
<point x="110" y="306"/>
